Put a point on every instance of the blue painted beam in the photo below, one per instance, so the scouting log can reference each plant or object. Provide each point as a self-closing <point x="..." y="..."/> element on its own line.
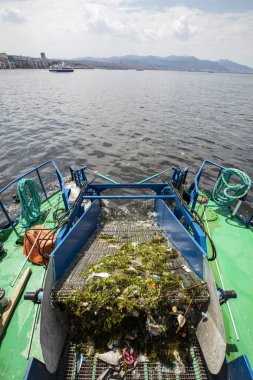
<point x="180" y="237"/>
<point x="36" y="370"/>
<point x="156" y="187"/>
<point x="77" y="236"/>
<point x="92" y="197"/>
<point x="198" y="233"/>
<point x="240" y="369"/>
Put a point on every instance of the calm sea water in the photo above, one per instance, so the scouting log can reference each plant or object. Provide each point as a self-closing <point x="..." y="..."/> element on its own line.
<point x="126" y="124"/>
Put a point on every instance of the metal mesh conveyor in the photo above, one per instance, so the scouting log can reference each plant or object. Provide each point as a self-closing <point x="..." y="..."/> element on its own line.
<point x="108" y="239"/>
<point x="92" y="368"/>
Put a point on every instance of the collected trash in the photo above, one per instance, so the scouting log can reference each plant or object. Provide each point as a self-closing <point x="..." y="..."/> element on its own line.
<point x="127" y="305"/>
<point x="110" y="357"/>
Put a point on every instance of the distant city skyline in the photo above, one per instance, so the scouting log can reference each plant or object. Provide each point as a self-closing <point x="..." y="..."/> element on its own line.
<point x="211" y="29"/>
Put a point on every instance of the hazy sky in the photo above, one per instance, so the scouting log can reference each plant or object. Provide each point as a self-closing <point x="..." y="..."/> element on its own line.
<point x="210" y="29"/>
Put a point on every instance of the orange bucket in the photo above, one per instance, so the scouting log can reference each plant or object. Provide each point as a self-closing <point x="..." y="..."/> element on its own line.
<point x="38" y="244"/>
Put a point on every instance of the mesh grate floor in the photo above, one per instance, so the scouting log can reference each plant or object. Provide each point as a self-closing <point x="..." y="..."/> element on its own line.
<point x="107" y="239"/>
<point x="93" y="368"/>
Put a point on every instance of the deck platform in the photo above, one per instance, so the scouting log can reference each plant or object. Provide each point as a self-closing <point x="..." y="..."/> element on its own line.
<point x="233" y="270"/>
<point x="14" y="343"/>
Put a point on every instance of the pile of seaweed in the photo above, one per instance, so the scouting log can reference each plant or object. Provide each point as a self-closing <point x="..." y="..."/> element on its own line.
<point x="126" y="302"/>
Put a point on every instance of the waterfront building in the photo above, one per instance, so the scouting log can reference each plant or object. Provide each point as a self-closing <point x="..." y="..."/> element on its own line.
<point x="44" y="60"/>
<point x="22" y="62"/>
<point x="4" y="62"/>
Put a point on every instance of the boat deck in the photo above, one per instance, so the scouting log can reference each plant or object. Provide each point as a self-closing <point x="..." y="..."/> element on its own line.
<point x="14" y="342"/>
<point x="233" y="270"/>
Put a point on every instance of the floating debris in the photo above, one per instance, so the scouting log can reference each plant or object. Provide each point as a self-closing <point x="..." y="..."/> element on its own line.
<point x="108" y="237"/>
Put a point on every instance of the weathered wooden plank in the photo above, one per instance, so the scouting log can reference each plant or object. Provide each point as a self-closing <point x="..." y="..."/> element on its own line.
<point x="13" y="300"/>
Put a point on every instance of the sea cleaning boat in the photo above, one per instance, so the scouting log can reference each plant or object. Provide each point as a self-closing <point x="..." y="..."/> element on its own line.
<point x="61" y="68"/>
<point x="90" y="293"/>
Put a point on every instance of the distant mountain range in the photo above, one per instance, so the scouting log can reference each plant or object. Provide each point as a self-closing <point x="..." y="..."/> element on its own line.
<point x="172" y="63"/>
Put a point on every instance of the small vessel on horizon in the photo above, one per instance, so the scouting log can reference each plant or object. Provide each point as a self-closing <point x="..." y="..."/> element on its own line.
<point x="61" y="68"/>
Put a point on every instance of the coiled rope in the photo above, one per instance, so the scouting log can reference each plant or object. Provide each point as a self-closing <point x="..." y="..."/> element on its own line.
<point x="30" y="202"/>
<point x="224" y="193"/>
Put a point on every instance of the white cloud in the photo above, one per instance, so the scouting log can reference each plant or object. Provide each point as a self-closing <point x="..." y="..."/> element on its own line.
<point x="183" y="29"/>
<point x="12" y="15"/>
<point x="139" y="24"/>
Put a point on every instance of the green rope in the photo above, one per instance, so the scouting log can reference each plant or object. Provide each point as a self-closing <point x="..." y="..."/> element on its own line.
<point x="30" y="202"/>
<point x="224" y="193"/>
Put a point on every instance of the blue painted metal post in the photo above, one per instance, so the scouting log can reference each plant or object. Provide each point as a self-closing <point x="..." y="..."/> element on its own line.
<point x="63" y="190"/>
<point x="6" y="213"/>
<point x="93" y="197"/>
<point x="8" y="218"/>
<point x="41" y="183"/>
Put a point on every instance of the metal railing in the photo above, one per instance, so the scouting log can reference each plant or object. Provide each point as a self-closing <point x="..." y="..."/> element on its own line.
<point x="48" y="185"/>
<point x="246" y="213"/>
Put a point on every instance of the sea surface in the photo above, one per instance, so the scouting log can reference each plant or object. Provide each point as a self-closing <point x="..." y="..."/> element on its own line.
<point x="125" y="124"/>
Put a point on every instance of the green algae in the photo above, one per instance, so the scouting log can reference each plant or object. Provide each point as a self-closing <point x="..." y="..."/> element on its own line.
<point x="108" y="237"/>
<point x="125" y="300"/>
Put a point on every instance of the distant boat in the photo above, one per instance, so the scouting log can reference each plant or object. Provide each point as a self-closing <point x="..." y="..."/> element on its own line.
<point x="62" y="68"/>
<point x="139" y="69"/>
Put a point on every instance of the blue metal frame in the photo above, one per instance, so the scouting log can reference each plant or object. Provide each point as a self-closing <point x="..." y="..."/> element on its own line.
<point x="156" y="187"/>
<point x="36" y="170"/>
<point x="74" y="240"/>
<point x="93" y="191"/>
<point x="36" y="370"/>
<point x="190" y="249"/>
<point x="162" y="190"/>
<point x="178" y="176"/>
<point x="240" y="368"/>
<point x="79" y="176"/>
<point x="144" y="197"/>
<point x="195" y="191"/>
<point x="73" y="237"/>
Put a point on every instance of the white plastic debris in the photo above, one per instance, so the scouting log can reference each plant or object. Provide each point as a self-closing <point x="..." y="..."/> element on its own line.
<point x="110" y="357"/>
<point x="136" y="374"/>
<point x="102" y="274"/>
<point x="141" y="358"/>
<point x="186" y="268"/>
<point x="74" y="191"/>
<point x="137" y="262"/>
<point x="154" y="328"/>
<point x="181" y="320"/>
<point x="86" y="203"/>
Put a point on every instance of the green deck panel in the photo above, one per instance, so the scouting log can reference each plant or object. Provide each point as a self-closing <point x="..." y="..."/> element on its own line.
<point x="234" y="245"/>
<point x="15" y="340"/>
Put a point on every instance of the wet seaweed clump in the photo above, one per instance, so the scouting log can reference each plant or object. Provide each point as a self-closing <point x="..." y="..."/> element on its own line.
<point x="129" y="300"/>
